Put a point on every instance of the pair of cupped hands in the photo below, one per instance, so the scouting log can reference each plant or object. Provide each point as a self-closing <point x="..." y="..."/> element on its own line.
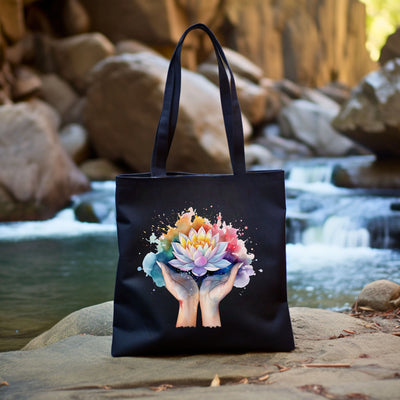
<point x="211" y="292"/>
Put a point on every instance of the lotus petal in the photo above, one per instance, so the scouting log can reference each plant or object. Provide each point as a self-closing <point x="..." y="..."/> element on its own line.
<point x="199" y="271"/>
<point x="182" y="267"/>
<point x="220" y="264"/>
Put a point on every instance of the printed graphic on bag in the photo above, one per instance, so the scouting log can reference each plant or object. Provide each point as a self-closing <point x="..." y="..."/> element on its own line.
<point x="199" y="262"/>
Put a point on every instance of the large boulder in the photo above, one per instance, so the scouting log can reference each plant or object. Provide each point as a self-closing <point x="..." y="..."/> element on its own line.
<point x="253" y="98"/>
<point x="58" y="93"/>
<point x="309" y="123"/>
<point x="37" y="177"/>
<point x="371" y="116"/>
<point x="336" y="357"/>
<point x="95" y="320"/>
<point x="76" y="55"/>
<point x="123" y="108"/>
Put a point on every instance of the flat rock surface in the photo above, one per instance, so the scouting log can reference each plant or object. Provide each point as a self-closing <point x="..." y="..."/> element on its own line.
<point x="367" y="367"/>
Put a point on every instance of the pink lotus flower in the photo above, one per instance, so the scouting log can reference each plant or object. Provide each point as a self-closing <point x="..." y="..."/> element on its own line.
<point x="199" y="252"/>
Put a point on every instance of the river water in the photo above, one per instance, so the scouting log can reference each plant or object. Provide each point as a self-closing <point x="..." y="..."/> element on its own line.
<point x="338" y="241"/>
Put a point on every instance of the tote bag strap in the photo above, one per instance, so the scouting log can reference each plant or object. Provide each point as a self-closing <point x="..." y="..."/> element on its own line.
<point x="169" y="115"/>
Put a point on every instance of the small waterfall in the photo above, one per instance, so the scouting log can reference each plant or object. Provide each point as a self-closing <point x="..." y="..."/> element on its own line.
<point x="310" y="174"/>
<point x="337" y="231"/>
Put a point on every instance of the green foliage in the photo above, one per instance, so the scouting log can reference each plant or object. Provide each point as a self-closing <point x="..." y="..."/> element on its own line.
<point x="383" y="17"/>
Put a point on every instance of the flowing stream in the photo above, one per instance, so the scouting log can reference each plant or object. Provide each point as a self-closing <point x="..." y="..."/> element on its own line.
<point x="338" y="240"/>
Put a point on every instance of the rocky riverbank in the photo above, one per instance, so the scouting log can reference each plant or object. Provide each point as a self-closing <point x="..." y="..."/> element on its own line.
<point x="81" y="89"/>
<point x="336" y="357"/>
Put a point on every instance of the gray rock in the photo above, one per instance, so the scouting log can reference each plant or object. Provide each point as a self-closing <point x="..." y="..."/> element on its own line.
<point x="317" y="97"/>
<point x="368" y="173"/>
<point x="125" y="100"/>
<point x="336" y="91"/>
<point x="310" y="124"/>
<point x="280" y="146"/>
<point x="95" y="320"/>
<point x="81" y="367"/>
<point x="371" y="116"/>
<point x="381" y="295"/>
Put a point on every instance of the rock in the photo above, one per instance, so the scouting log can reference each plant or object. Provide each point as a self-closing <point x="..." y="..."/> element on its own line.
<point x="75" y="114"/>
<point x="124" y="101"/>
<point x="75" y="141"/>
<point x="368" y="173"/>
<point x="39" y="50"/>
<point x="338" y="92"/>
<point x="257" y="154"/>
<point x="95" y="320"/>
<point x="384" y="231"/>
<point x="271" y="34"/>
<point x="391" y="48"/>
<point x="156" y="22"/>
<point x="395" y="206"/>
<point x="75" y="18"/>
<point x="58" y="93"/>
<point x="309" y="123"/>
<point x="274" y="100"/>
<point x="12" y="19"/>
<point x="85" y="212"/>
<point x="132" y="46"/>
<point x="319" y="98"/>
<point x="281" y="147"/>
<point x="37" y="178"/>
<point x="240" y="65"/>
<point x="381" y="295"/>
<point x="76" y="55"/>
<point x="371" y="116"/>
<point x="50" y="115"/>
<point x="6" y="81"/>
<point x="100" y="170"/>
<point x="88" y="370"/>
<point x="291" y="89"/>
<point x="252" y="97"/>
<point x="26" y="83"/>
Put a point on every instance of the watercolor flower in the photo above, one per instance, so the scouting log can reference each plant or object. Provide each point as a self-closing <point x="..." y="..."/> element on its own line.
<point x="196" y="246"/>
<point x="199" y="252"/>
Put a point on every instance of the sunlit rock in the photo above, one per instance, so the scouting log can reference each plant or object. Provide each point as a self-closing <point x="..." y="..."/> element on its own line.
<point x="371" y="116"/>
<point x="381" y="295"/>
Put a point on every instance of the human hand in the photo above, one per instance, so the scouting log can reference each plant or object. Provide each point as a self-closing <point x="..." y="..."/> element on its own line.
<point x="184" y="288"/>
<point x="213" y="289"/>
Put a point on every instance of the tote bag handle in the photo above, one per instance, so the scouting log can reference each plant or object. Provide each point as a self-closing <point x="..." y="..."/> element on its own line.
<point x="169" y="114"/>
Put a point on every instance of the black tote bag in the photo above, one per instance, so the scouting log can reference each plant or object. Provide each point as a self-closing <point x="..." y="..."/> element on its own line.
<point x="202" y="264"/>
